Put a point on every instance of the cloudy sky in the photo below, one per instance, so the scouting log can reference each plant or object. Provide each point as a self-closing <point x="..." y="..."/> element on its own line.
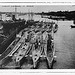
<point x="39" y="8"/>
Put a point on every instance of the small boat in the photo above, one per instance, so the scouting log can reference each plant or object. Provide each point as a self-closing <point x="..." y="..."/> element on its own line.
<point x="72" y="26"/>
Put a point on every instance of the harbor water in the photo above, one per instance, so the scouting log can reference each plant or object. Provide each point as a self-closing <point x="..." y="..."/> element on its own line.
<point x="65" y="46"/>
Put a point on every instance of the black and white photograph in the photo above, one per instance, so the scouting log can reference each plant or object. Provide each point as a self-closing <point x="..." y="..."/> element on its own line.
<point x="37" y="37"/>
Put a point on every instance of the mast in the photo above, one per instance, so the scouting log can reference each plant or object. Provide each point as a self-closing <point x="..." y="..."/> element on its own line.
<point x="30" y="15"/>
<point x="15" y="12"/>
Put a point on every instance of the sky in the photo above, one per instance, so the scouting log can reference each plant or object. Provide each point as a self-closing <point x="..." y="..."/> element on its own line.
<point x="38" y="8"/>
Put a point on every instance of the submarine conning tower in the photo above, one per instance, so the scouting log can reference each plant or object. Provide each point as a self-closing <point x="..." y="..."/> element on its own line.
<point x="13" y="17"/>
